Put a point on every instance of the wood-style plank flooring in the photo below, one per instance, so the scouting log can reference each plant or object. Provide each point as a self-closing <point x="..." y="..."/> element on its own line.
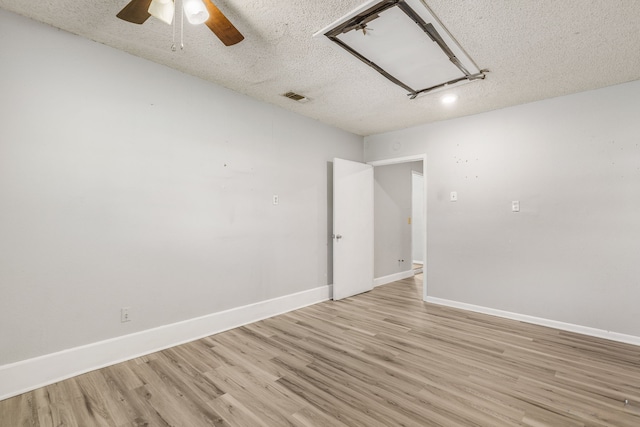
<point x="384" y="358"/>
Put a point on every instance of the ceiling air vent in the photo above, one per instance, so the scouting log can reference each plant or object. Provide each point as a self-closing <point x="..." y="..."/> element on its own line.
<point x="296" y="97"/>
<point x="405" y="42"/>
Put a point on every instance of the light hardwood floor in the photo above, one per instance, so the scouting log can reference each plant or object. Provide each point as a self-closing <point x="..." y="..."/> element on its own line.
<point x="384" y="358"/>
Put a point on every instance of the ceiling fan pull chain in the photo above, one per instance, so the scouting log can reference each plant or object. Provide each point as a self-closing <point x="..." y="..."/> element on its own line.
<point x="181" y="25"/>
<point x="173" y="27"/>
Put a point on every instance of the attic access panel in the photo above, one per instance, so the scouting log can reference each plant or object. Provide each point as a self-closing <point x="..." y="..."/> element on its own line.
<point x="406" y="43"/>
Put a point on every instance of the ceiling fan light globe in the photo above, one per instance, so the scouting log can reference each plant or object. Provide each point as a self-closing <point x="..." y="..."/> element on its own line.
<point x="195" y="11"/>
<point x="163" y="10"/>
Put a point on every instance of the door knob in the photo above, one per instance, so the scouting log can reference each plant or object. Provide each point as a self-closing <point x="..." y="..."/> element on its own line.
<point x="338" y="236"/>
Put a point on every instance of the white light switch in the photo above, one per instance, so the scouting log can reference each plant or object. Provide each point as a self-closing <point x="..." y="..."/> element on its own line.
<point x="454" y="196"/>
<point x="515" y="206"/>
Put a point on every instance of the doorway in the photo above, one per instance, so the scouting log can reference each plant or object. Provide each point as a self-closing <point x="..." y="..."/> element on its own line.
<point x="339" y="237"/>
<point x="420" y="239"/>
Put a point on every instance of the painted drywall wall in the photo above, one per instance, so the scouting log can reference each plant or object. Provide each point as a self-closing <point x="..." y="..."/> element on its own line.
<point x="417" y="217"/>
<point x="392" y="210"/>
<point x="127" y="184"/>
<point x="573" y="163"/>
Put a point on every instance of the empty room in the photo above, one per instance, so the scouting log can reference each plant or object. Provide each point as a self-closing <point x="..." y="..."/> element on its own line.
<point x="307" y="213"/>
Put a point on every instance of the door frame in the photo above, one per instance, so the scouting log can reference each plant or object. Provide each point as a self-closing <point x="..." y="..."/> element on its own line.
<point x="409" y="159"/>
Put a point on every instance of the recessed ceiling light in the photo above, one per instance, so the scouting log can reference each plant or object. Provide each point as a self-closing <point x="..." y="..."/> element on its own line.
<point x="449" y="99"/>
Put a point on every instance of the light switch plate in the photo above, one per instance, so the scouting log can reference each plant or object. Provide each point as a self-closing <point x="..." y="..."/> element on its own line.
<point x="515" y="206"/>
<point x="454" y="196"/>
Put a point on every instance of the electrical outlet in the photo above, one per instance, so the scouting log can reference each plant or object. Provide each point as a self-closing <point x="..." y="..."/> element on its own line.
<point x="276" y="199"/>
<point x="515" y="206"/>
<point x="124" y="314"/>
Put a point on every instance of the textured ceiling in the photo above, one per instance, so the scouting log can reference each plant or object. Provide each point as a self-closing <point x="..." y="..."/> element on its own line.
<point x="534" y="49"/>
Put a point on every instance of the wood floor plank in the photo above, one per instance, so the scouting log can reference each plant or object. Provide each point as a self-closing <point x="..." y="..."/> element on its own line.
<point x="124" y="393"/>
<point x="235" y="412"/>
<point x="383" y="358"/>
<point x="324" y="400"/>
<point x="20" y="411"/>
<point x="311" y="417"/>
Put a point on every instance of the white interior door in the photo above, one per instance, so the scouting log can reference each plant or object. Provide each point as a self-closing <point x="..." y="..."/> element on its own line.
<point x="352" y="228"/>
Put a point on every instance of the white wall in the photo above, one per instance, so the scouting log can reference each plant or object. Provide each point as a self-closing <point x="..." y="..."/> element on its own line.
<point x="571" y="254"/>
<point x="127" y="184"/>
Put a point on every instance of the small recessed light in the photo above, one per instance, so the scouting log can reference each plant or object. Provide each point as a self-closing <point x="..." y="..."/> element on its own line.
<point x="449" y="99"/>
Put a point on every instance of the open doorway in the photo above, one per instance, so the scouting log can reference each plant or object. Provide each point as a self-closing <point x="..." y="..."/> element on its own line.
<point x="394" y="237"/>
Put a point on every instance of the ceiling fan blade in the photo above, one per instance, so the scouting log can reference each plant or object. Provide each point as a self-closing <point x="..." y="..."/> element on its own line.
<point x="136" y="12"/>
<point x="221" y="26"/>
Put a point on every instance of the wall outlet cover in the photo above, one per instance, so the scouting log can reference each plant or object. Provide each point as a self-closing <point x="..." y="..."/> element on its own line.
<point x="124" y="314"/>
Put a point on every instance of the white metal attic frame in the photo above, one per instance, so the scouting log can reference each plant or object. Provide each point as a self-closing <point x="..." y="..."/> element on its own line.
<point x="405" y="42"/>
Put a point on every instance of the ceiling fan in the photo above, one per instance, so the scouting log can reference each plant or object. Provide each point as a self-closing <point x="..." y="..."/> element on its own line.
<point x="197" y="11"/>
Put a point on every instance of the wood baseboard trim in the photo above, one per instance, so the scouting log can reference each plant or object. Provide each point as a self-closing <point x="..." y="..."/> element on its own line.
<point x="570" y="327"/>
<point x="30" y="374"/>
<point x="379" y="281"/>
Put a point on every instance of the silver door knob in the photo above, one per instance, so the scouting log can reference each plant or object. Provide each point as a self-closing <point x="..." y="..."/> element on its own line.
<point x="338" y="236"/>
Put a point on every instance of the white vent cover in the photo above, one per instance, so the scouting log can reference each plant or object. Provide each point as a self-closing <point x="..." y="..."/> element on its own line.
<point x="406" y="43"/>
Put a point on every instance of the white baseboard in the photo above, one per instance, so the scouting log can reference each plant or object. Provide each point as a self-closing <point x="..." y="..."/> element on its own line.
<point x="585" y="330"/>
<point x="26" y="375"/>
<point x="378" y="281"/>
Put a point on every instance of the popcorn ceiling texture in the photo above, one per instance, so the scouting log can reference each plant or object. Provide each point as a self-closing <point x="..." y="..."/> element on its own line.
<point x="534" y="49"/>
